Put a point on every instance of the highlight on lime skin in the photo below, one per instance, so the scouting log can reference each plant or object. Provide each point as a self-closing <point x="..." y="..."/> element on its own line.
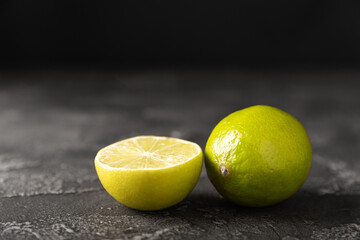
<point x="149" y="172"/>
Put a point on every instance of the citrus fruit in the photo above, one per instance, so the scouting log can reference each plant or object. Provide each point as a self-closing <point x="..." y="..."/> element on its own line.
<point x="149" y="172"/>
<point x="258" y="156"/>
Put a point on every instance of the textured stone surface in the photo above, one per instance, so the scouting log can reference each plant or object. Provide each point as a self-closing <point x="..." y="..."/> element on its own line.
<point x="52" y="123"/>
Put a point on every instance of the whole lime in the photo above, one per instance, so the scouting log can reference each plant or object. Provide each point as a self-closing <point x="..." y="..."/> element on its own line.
<point x="258" y="156"/>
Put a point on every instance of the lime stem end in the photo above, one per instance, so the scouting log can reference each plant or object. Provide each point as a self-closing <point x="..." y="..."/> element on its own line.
<point x="223" y="170"/>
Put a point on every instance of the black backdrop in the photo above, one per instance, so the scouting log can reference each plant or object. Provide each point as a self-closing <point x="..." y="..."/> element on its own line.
<point x="185" y="32"/>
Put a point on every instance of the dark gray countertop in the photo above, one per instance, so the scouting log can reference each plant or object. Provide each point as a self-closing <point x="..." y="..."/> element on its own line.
<point x="52" y="123"/>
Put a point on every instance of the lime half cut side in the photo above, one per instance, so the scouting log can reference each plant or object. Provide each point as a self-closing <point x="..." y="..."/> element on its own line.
<point x="149" y="172"/>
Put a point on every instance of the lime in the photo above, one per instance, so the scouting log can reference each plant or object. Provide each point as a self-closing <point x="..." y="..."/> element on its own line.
<point x="258" y="156"/>
<point x="149" y="172"/>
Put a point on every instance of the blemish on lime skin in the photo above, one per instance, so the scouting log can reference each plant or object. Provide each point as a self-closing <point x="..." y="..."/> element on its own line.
<point x="223" y="170"/>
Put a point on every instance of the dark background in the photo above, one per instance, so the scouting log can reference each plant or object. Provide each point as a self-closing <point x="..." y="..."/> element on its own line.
<point x="140" y="32"/>
<point x="76" y="76"/>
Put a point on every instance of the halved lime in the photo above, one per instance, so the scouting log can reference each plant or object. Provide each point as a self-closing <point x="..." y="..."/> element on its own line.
<point x="149" y="172"/>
